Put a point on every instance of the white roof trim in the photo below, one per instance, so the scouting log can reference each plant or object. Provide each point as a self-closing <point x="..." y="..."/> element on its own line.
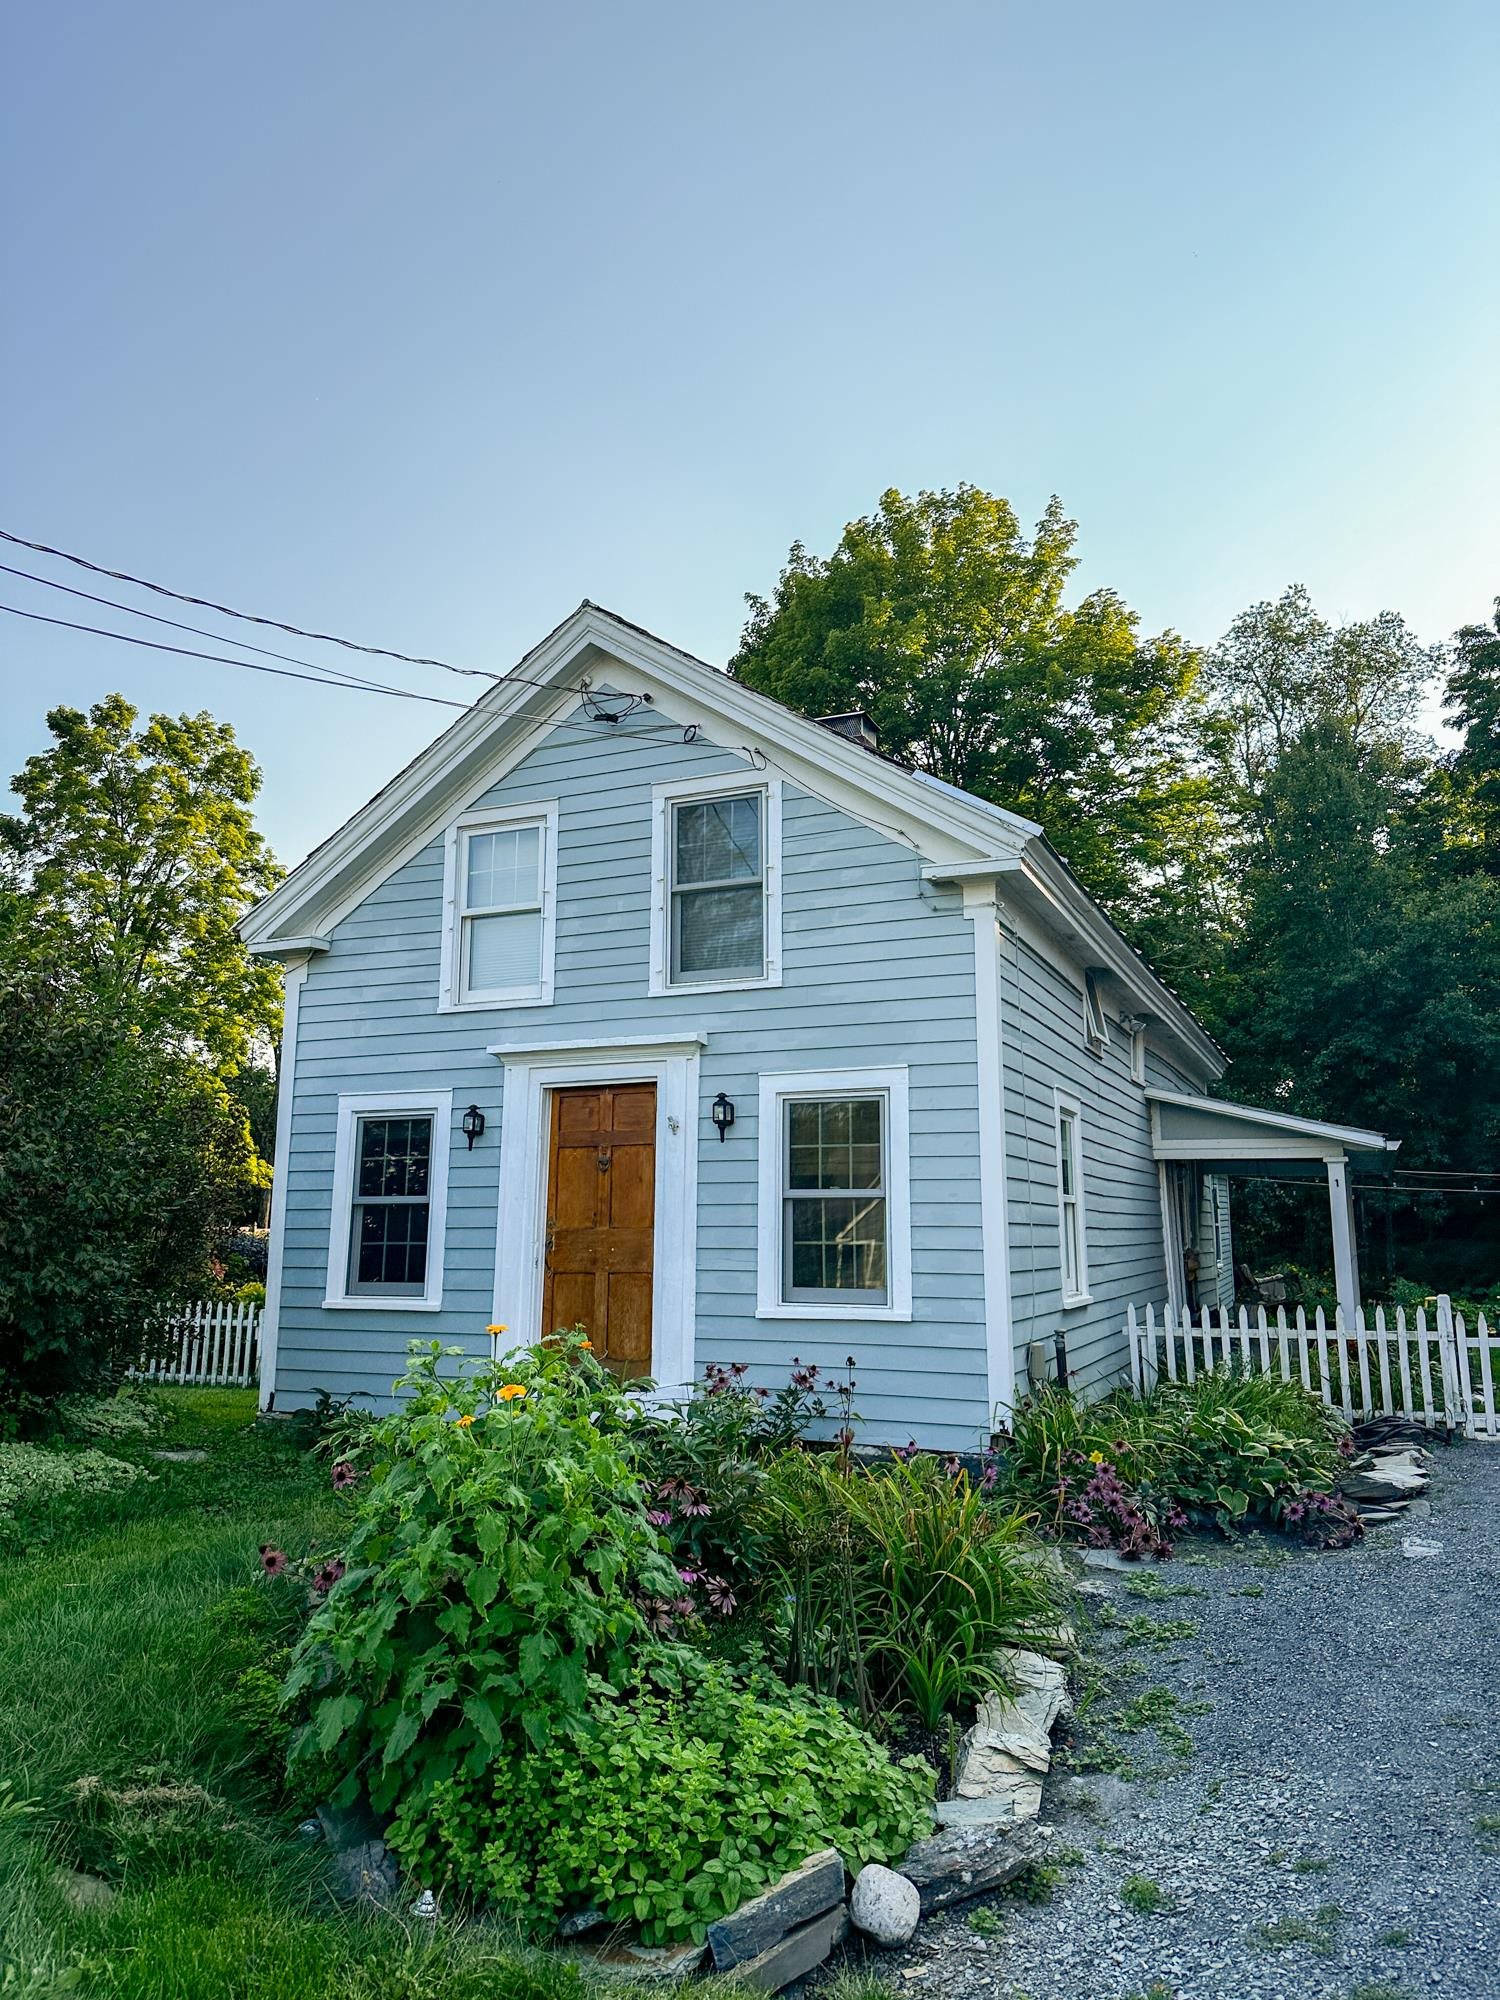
<point x="945" y="826"/>
<point x="1354" y="1137"/>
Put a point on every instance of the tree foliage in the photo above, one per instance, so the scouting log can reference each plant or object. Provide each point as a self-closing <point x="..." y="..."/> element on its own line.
<point x="122" y="1163"/>
<point x="134" y="854"/>
<point x="942" y="619"/>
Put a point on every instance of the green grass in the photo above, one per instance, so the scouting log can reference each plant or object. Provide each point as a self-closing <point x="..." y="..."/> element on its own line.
<point x="111" y="1668"/>
<point x="1318" y="1932"/>
<point x="1145" y="1896"/>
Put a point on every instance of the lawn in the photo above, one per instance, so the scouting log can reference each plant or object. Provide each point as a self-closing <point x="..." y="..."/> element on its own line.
<point x="112" y="1669"/>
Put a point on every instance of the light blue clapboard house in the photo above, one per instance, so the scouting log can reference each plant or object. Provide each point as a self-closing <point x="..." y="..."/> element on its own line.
<point x="641" y="1002"/>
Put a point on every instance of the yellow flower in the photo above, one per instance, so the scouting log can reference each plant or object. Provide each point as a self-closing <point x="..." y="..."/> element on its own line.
<point x="1096" y="1458"/>
<point x="511" y="1390"/>
<point x="464" y="1423"/>
<point x="588" y="1344"/>
<point x="497" y="1329"/>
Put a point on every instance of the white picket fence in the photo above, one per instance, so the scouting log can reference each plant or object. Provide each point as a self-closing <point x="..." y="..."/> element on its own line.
<point x="218" y="1346"/>
<point x="1431" y="1368"/>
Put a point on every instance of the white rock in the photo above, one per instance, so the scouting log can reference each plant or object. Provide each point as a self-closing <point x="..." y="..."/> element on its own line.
<point x="1414" y="1546"/>
<point x="885" y="1905"/>
<point x="426" y="1905"/>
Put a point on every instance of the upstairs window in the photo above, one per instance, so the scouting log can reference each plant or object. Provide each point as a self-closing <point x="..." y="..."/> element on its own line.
<point x="500" y="908"/>
<point x="718" y="889"/>
<point x="1095" y="1027"/>
<point x="716" y="849"/>
<point x="1070" y="1204"/>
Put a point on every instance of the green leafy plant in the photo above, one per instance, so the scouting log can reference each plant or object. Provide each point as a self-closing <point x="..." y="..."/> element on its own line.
<point x="676" y="1803"/>
<point x="1145" y="1896"/>
<point x="901" y="1581"/>
<point x="499" y="1553"/>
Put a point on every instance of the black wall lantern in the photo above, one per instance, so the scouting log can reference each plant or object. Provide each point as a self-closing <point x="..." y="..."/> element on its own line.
<point x="472" y="1126"/>
<point x="722" y="1114"/>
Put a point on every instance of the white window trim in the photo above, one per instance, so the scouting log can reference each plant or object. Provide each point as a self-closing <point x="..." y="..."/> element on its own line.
<point x="1095" y="1026"/>
<point x="684" y="791"/>
<point x="775" y="1089"/>
<point x="438" y="1104"/>
<point x="496" y="819"/>
<point x="1062" y="1104"/>
<point x="525" y="1134"/>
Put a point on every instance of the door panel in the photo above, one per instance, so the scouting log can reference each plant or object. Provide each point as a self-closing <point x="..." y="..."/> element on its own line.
<point x="601" y="1215"/>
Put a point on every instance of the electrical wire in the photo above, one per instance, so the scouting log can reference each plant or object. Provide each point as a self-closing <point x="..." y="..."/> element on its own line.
<point x="275" y="624"/>
<point x="228" y="611"/>
<point x="344" y="683"/>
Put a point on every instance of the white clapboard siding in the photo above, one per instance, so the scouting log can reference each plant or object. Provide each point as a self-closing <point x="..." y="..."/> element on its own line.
<point x="217" y="1346"/>
<point x="1430" y="1369"/>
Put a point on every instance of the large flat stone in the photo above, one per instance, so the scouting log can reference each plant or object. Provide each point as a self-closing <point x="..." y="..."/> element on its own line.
<point x="1004" y="1807"/>
<point x="666" y="1964"/>
<point x="755" y="1926"/>
<point x="795" y="1955"/>
<point x="965" y="1861"/>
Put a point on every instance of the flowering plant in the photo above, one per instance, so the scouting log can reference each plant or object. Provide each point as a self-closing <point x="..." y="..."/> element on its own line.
<point x="499" y="1554"/>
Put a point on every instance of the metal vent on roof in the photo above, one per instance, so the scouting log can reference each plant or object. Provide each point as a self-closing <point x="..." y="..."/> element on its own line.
<point x="856" y="726"/>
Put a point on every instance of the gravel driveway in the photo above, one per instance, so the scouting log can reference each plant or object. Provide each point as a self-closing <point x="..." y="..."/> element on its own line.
<point x="1331" y="1831"/>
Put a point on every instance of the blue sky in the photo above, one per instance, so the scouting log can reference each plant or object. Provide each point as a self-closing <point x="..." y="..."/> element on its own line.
<point x="422" y="323"/>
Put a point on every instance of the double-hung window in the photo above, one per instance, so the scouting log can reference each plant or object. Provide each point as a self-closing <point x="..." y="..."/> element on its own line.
<point x="389" y="1198"/>
<point x="835" y="1232"/>
<point x="500" y="908"/>
<point x="1071" y="1218"/>
<point x="716" y="853"/>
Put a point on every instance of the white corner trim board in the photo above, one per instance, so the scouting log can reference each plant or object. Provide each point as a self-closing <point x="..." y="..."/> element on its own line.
<point x="776" y="1089"/>
<point x="270" y="1322"/>
<point x="981" y="909"/>
<point x="530" y="1078"/>
<point x="684" y="791"/>
<point x="438" y="1104"/>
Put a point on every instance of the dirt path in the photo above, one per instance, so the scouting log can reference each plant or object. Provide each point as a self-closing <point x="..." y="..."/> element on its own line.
<point x="1334" y="1832"/>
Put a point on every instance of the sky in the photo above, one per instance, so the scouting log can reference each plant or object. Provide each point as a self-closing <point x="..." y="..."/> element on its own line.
<point x="419" y="324"/>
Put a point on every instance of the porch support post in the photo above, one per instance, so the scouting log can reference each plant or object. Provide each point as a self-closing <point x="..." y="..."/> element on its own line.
<point x="1345" y="1243"/>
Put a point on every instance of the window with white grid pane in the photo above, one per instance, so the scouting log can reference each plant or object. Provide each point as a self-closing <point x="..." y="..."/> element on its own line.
<point x="1071" y="1217"/>
<point x="716" y="864"/>
<point x="500" y="908"/>
<point x="835" y="1196"/>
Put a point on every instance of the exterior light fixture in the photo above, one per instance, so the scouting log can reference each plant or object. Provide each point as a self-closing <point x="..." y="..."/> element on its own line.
<point x="722" y="1113"/>
<point x="472" y="1126"/>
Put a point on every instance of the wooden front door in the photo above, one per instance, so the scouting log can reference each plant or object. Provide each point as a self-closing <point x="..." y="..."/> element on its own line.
<point x="601" y="1220"/>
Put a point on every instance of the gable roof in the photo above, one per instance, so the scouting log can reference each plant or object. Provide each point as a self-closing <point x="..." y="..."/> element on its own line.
<point x="957" y="836"/>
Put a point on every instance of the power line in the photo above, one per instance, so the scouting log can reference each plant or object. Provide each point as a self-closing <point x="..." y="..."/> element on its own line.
<point x="345" y="683"/>
<point x="228" y="611"/>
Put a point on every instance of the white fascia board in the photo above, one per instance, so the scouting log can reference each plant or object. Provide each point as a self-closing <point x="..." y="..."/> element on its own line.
<point x="291" y="947"/>
<point x="1351" y="1136"/>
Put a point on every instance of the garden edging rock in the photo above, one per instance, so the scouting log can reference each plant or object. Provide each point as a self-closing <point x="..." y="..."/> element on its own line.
<point x="751" y="1930"/>
<point x="884" y="1905"/>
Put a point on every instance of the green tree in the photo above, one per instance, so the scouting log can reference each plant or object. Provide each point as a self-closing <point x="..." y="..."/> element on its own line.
<point x="1472" y="774"/>
<point x="941" y="618"/>
<point x="136" y="853"/>
<point x="1281" y="668"/>
<point x="122" y="1164"/>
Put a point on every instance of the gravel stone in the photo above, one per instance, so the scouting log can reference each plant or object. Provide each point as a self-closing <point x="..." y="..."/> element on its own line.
<point x="1347" y="1763"/>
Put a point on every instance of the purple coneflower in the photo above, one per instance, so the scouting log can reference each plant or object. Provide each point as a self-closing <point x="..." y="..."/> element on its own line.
<point x="273" y="1561"/>
<point x="344" y="1474"/>
<point x="328" y="1576"/>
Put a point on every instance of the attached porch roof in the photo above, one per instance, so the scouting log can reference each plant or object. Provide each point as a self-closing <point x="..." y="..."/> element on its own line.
<point x="1234" y="1138"/>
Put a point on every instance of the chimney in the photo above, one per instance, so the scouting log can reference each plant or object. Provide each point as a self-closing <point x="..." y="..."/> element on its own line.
<point x="855" y="727"/>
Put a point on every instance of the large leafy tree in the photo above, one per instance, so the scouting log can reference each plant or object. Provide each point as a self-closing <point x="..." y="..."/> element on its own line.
<point x="136" y="851"/>
<point x="945" y="621"/>
<point x="123" y="1161"/>
<point x="1470" y="780"/>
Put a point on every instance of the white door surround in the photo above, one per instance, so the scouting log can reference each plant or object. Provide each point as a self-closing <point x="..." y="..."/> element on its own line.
<point x="531" y="1075"/>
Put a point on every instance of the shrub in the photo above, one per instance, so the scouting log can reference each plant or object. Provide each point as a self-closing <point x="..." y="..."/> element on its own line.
<point x="901" y="1581"/>
<point x="499" y="1552"/>
<point x="121" y="1163"/>
<point x="33" y="1477"/>
<point x="676" y="1804"/>
<point x="129" y="1413"/>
